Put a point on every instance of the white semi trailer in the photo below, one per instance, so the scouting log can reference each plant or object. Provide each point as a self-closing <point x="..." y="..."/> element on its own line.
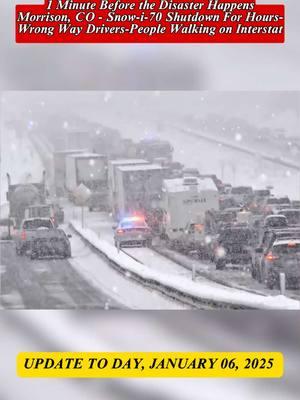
<point x="59" y="159"/>
<point x="112" y="173"/>
<point x="139" y="189"/>
<point x="185" y="202"/>
<point x="90" y="170"/>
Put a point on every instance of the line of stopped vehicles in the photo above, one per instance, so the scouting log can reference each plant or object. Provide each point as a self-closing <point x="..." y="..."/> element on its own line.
<point x="155" y="201"/>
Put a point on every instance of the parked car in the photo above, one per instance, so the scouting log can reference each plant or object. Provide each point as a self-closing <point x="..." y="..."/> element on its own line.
<point x="282" y="256"/>
<point x="234" y="246"/>
<point x="268" y="238"/>
<point x="132" y="232"/>
<point x="275" y="221"/>
<point x="274" y="204"/>
<point x="50" y="243"/>
<point x="28" y="231"/>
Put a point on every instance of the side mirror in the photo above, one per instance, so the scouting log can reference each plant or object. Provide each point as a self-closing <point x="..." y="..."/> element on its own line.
<point x="69" y="236"/>
<point x="259" y="250"/>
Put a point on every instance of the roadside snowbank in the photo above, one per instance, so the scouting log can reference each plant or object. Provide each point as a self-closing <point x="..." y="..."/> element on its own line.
<point x="212" y="292"/>
<point x="98" y="273"/>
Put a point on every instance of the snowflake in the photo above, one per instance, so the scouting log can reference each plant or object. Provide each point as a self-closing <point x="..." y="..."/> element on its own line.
<point x="238" y="137"/>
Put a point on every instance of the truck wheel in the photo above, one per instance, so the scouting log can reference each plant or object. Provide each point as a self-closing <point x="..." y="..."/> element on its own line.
<point x="220" y="264"/>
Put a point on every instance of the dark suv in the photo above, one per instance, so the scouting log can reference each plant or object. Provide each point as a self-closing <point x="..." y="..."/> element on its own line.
<point x="50" y="243"/>
<point x="282" y="256"/>
<point x="267" y="241"/>
<point x="234" y="246"/>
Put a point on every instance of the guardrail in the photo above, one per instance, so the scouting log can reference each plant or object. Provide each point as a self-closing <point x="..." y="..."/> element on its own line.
<point x="153" y="283"/>
<point x="187" y="292"/>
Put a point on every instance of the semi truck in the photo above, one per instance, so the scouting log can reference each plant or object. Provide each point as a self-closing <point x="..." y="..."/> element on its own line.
<point x="21" y="196"/>
<point x="59" y="159"/>
<point x="112" y="186"/>
<point x="90" y="170"/>
<point x="139" y="190"/>
<point x="186" y="203"/>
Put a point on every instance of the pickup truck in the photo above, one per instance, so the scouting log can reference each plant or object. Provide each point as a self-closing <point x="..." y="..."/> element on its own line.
<point x="28" y="230"/>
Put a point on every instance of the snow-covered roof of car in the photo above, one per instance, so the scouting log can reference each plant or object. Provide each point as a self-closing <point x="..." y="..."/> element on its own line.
<point x="183" y="185"/>
<point x="142" y="167"/>
<point x="87" y="155"/>
<point x="128" y="161"/>
<point x="290" y="210"/>
<point x="40" y="205"/>
<point x="71" y="151"/>
<point x="286" y="241"/>
<point x="38" y="218"/>
<point x="275" y="216"/>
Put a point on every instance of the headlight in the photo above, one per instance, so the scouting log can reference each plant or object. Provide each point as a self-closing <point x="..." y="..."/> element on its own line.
<point x="220" y="252"/>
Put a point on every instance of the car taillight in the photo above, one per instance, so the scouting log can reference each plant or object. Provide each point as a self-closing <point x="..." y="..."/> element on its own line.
<point x="270" y="257"/>
<point x="120" y="231"/>
<point x="23" y="235"/>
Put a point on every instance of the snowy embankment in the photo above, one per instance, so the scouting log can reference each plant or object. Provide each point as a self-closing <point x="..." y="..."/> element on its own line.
<point x="206" y="292"/>
<point x="125" y="291"/>
<point x="283" y="162"/>
<point x="210" y="158"/>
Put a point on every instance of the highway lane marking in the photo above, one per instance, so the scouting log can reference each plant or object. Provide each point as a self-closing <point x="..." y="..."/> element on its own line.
<point x="58" y="292"/>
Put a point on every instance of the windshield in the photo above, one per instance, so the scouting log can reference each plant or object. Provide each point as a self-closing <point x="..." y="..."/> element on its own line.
<point x="276" y="222"/>
<point x="287" y="249"/>
<point x="37" y="223"/>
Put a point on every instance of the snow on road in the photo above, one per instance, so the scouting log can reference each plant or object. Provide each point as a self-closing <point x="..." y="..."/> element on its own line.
<point x="123" y="289"/>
